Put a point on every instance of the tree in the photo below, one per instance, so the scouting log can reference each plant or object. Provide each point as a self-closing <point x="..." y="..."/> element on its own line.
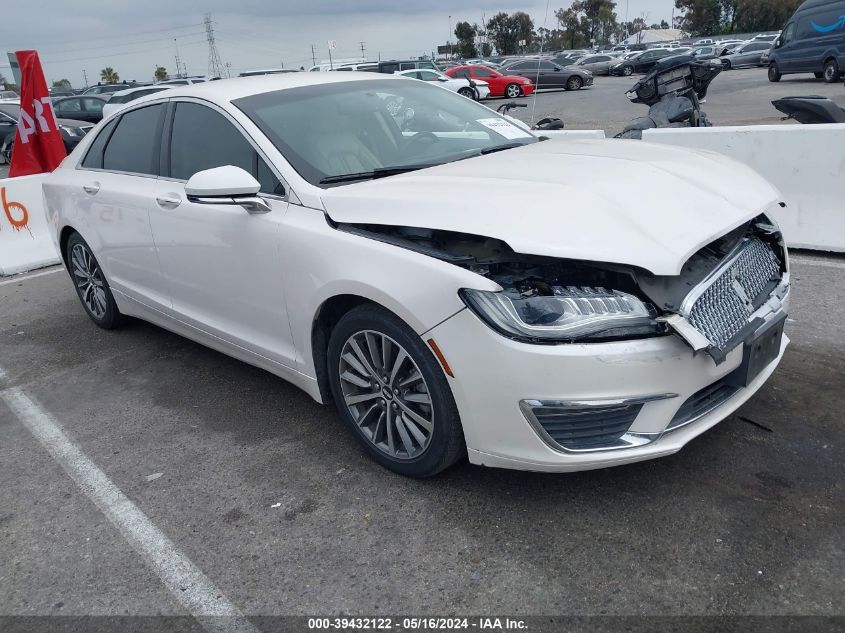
<point x="466" y="32"/>
<point x="710" y="17"/>
<point x="64" y="84"/>
<point x="506" y="31"/>
<point x="160" y="73"/>
<point x="109" y="75"/>
<point x="569" y="21"/>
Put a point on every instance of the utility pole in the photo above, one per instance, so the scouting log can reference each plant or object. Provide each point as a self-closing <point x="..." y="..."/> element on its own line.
<point x="449" y="41"/>
<point x="178" y="60"/>
<point x="85" y="77"/>
<point x="313" y="56"/>
<point x="363" y="52"/>
<point x="215" y="66"/>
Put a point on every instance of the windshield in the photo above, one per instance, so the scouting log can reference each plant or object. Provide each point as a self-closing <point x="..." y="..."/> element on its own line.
<point x="369" y="129"/>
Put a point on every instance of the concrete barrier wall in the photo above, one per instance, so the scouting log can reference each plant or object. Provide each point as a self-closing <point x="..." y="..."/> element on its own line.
<point x="806" y="162"/>
<point x="25" y="241"/>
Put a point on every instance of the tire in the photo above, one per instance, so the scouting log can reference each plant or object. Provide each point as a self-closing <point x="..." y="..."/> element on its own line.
<point x="831" y="71"/>
<point x="574" y="83"/>
<point x="726" y="64"/>
<point x="774" y="73"/>
<point x="398" y="443"/>
<point x="469" y="93"/>
<point x="512" y="91"/>
<point x="627" y="71"/>
<point x="91" y="285"/>
<point x="818" y="75"/>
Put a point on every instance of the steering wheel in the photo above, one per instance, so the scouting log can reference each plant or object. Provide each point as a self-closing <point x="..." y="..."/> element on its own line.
<point x="420" y="136"/>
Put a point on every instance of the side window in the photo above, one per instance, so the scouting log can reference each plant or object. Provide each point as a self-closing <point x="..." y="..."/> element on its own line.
<point x="94" y="157"/>
<point x="69" y="105"/>
<point x="788" y="33"/>
<point x="389" y="68"/>
<point x="463" y="73"/>
<point x="92" y="105"/>
<point x="482" y="72"/>
<point x="203" y="139"/>
<point x="407" y="66"/>
<point x="134" y="146"/>
<point x="427" y="75"/>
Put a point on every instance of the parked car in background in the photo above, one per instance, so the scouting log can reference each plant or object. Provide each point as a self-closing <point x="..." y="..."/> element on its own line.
<point x="72" y="130"/>
<point x="392" y="66"/>
<point x="451" y="284"/>
<point x="120" y="99"/>
<point x="471" y="88"/>
<point x="106" y="90"/>
<point x="749" y="54"/>
<point x="725" y="48"/>
<point x="188" y="81"/>
<point x="501" y="85"/>
<point x="566" y="60"/>
<point x="82" y="108"/>
<point x="596" y="64"/>
<point x="546" y="74"/>
<point x="705" y="52"/>
<point x="813" y="41"/>
<point x="770" y="37"/>
<point x="9" y="96"/>
<point x="641" y="62"/>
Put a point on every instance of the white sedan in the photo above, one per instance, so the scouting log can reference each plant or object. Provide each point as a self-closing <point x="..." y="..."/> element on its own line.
<point x="471" y="88"/>
<point x="451" y="283"/>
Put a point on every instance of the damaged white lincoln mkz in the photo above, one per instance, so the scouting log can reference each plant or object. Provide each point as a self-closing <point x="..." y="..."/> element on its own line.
<point x="439" y="273"/>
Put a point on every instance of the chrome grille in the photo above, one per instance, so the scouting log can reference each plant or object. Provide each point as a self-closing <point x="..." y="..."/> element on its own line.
<point x="724" y="307"/>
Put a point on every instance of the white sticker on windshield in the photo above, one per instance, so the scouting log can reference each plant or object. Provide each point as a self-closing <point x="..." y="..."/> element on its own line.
<point x="505" y="128"/>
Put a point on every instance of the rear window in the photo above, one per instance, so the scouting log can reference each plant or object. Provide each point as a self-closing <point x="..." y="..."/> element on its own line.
<point x="94" y="158"/>
<point x="134" y="145"/>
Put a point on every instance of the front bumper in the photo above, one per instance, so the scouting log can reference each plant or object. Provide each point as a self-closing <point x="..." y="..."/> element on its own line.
<point x="493" y="375"/>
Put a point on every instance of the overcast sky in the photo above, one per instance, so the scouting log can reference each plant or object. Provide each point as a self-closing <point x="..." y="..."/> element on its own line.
<point x="134" y="37"/>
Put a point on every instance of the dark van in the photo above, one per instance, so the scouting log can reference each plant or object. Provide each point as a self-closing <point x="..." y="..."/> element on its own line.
<point x="813" y="41"/>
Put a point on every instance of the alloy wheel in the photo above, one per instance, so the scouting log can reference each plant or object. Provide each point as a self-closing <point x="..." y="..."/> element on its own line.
<point x="386" y="395"/>
<point x="89" y="280"/>
<point x="513" y="91"/>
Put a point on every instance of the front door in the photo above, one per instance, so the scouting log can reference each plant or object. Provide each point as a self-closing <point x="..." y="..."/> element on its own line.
<point x="220" y="262"/>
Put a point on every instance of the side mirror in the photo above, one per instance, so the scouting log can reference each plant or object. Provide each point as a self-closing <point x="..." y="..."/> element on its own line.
<point x="442" y="78"/>
<point x="557" y="69"/>
<point x="227" y="185"/>
<point x="778" y="42"/>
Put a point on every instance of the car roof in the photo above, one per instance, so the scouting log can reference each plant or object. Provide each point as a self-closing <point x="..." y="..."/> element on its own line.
<point x="129" y="91"/>
<point x="227" y="90"/>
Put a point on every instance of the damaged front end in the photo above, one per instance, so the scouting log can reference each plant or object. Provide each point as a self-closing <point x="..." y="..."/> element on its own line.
<point x="723" y="295"/>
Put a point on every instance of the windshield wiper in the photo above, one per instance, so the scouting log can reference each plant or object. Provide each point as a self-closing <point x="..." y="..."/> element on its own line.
<point x="500" y="148"/>
<point x="380" y="172"/>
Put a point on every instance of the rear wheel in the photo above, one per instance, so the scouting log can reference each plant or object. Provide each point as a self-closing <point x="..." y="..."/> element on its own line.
<point x="726" y="64"/>
<point x="91" y="285"/>
<point x="831" y="71"/>
<point x="574" y="83"/>
<point x="512" y="91"/>
<point x="627" y="71"/>
<point x="390" y="390"/>
<point x="469" y="93"/>
<point x="774" y="73"/>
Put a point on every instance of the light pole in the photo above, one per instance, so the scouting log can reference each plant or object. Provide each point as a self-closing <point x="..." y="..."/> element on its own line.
<point x="449" y="40"/>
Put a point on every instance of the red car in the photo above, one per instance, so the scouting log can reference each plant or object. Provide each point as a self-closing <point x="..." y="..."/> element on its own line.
<point x="511" y="86"/>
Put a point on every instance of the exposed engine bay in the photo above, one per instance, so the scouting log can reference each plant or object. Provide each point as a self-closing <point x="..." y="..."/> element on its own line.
<point x="586" y="286"/>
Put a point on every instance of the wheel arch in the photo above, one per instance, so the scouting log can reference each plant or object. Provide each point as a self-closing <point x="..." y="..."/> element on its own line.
<point x="64" y="236"/>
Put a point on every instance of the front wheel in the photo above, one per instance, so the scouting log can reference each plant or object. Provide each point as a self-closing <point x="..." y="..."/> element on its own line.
<point x="390" y="390"/>
<point x="574" y="83"/>
<point x="774" y="73"/>
<point x="627" y="71"/>
<point x="512" y="91"/>
<point x="831" y="71"/>
<point x="726" y="64"/>
<point x="91" y="285"/>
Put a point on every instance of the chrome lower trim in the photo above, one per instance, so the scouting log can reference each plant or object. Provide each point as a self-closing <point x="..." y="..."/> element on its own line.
<point x="628" y="440"/>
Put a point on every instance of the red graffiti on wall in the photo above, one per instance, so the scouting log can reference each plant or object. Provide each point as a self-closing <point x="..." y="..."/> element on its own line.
<point x="15" y="212"/>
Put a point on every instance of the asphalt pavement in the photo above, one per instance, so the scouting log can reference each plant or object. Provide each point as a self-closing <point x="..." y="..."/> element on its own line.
<point x="269" y="496"/>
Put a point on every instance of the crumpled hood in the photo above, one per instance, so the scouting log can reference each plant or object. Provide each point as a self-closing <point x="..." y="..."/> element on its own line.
<point x="618" y="201"/>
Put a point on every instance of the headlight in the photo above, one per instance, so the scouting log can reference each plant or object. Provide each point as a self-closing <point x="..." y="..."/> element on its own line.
<point x="569" y="314"/>
<point x="71" y="131"/>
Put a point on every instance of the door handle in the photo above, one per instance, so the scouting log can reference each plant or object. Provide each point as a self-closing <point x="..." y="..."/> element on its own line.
<point x="170" y="201"/>
<point x="92" y="188"/>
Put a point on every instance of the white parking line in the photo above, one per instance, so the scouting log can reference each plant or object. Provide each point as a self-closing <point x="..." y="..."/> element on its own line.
<point x="808" y="261"/>
<point x="18" y="278"/>
<point x="205" y="602"/>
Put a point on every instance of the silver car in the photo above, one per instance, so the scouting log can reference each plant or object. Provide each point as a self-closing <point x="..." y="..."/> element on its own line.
<point x="597" y="64"/>
<point x="750" y="54"/>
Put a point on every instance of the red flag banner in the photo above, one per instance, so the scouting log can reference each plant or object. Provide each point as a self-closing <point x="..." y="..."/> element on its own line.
<point x="38" y="142"/>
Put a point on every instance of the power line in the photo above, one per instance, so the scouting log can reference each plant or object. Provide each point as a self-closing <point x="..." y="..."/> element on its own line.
<point x="107" y="55"/>
<point x="89" y="48"/>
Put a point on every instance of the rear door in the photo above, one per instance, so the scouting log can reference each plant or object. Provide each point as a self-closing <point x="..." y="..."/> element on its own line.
<point x="116" y="194"/>
<point x="221" y="263"/>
